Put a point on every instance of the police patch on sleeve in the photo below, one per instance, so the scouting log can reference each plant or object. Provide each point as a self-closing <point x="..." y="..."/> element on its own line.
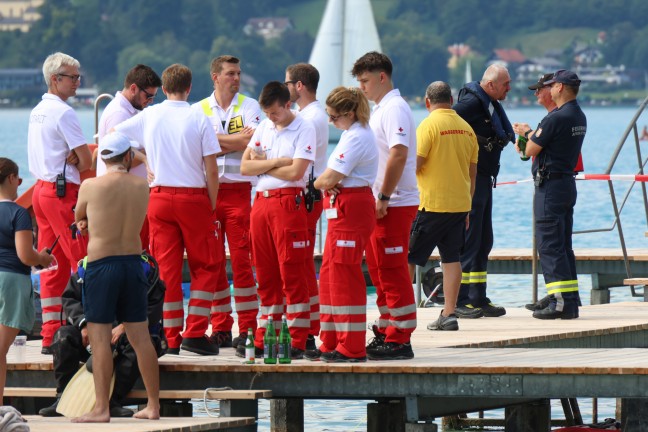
<point x="538" y="132"/>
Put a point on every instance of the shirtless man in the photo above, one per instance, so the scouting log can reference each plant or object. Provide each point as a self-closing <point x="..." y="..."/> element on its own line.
<point x="115" y="282"/>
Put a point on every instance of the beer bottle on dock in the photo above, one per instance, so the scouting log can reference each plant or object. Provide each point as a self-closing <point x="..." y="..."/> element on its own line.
<point x="522" y="141"/>
<point x="270" y="343"/>
<point x="249" y="348"/>
<point x="284" y="342"/>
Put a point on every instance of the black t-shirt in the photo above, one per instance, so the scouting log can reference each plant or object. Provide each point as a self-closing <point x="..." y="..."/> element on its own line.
<point x="560" y="134"/>
<point x="12" y="218"/>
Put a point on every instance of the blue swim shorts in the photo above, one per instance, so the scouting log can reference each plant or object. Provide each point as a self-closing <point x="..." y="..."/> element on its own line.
<point x="115" y="287"/>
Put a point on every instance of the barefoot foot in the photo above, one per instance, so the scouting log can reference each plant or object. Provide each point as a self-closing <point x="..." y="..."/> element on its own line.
<point x="148" y="413"/>
<point x="93" y="417"/>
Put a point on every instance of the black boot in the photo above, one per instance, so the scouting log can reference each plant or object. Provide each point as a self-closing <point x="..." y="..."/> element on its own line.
<point x="50" y="411"/>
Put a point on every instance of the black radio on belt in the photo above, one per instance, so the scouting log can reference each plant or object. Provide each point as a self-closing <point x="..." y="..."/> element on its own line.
<point x="539" y="178"/>
<point x="60" y="185"/>
<point x="313" y="194"/>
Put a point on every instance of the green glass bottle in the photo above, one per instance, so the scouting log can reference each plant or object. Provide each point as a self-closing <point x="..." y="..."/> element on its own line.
<point x="270" y="343"/>
<point x="249" y="348"/>
<point x="284" y="342"/>
<point x="522" y="142"/>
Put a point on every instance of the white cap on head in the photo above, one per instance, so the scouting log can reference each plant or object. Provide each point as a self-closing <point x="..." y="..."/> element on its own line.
<point x="113" y="145"/>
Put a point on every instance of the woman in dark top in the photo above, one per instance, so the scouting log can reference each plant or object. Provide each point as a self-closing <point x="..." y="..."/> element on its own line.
<point x="16" y="256"/>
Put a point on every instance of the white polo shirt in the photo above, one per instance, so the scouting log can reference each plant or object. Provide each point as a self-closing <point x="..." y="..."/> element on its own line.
<point x="176" y="138"/>
<point x="356" y="156"/>
<point x="117" y="111"/>
<point x="392" y="123"/>
<point x="316" y="115"/>
<point x="295" y="141"/>
<point x="54" y="130"/>
<point x="243" y="111"/>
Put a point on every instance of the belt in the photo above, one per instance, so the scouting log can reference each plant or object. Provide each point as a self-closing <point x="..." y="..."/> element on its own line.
<point x="350" y="190"/>
<point x="179" y="190"/>
<point x="68" y="183"/>
<point x="280" y="192"/>
<point x="555" y="176"/>
<point x="235" y="186"/>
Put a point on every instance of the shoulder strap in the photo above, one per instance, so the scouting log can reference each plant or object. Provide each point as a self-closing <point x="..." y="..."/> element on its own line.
<point x="239" y="102"/>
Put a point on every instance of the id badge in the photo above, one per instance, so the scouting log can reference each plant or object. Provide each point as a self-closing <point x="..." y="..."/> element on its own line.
<point x="331" y="213"/>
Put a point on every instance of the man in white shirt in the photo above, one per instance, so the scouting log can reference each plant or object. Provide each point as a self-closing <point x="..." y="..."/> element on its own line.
<point x="302" y="80"/>
<point x="281" y="150"/>
<point x="58" y="152"/>
<point x="234" y="117"/>
<point x="181" y="149"/>
<point x="140" y="87"/>
<point x="397" y="201"/>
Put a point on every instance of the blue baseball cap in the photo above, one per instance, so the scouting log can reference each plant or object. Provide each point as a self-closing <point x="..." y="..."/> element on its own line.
<point x="564" y="76"/>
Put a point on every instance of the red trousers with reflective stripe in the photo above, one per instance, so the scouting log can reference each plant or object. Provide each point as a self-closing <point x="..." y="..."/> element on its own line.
<point x="342" y="284"/>
<point x="179" y="220"/>
<point x="387" y="265"/>
<point x="54" y="216"/>
<point x="279" y="238"/>
<point x="233" y="212"/>
<point x="311" y="275"/>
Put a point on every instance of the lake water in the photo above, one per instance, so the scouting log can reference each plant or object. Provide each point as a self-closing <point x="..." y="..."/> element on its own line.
<point x="511" y="221"/>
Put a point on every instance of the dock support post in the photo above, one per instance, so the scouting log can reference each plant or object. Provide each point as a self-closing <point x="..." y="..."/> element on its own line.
<point x="528" y="417"/>
<point x="386" y="415"/>
<point x="634" y="414"/>
<point x="600" y="293"/>
<point x="241" y="408"/>
<point x="287" y="415"/>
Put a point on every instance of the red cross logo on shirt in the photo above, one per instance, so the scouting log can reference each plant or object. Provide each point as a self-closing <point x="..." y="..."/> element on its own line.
<point x="400" y="129"/>
<point x="341" y="155"/>
<point x="308" y="148"/>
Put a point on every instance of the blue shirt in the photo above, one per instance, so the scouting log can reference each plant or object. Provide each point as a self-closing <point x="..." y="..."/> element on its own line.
<point x="560" y="134"/>
<point x="13" y="218"/>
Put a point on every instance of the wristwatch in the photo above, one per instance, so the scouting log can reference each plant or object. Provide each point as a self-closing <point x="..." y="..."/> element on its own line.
<point x="526" y="134"/>
<point x="383" y="197"/>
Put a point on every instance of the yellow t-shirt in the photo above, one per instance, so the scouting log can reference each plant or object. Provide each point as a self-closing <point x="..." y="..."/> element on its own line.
<point x="449" y="146"/>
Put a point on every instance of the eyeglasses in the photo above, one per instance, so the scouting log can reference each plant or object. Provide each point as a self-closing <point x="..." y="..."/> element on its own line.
<point x="335" y="118"/>
<point x="290" y="82"/>
<point x="148" y="95"/>
<point x="72" y="77"/>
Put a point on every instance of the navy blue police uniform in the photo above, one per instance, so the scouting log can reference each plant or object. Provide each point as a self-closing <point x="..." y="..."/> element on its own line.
<point x="494" y="131"/>
<point x="560" y="134"/>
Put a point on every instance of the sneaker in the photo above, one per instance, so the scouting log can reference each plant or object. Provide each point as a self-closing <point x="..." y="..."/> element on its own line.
<point x="222" y="339"/>
<point x="468" y="311"/>
<point x="240" y="340"/>
<point x="240" y="352"/>
<point x="200" y="345"/>
<point x="47" y="350"/>
<point x="391" y="351"/>
<point x="296" y="353"/>
<point x="310" y="343"/>
<point x="313" y="355"/>
<point x="173" y="351"/>
<point x="444" y="323"/>
<point x="550" y="313"/>
<point x="377" y="340"/>
<point x="50" y="411"/>
<point x="540" y="304"/>
<point x="337" y="357"/>
<point x="491" y="310"/>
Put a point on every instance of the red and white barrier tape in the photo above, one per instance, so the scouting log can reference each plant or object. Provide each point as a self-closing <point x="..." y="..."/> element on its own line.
<point x="604" y="177"/>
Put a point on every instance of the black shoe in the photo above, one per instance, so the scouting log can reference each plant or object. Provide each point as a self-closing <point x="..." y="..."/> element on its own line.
<point x="391" y="351"/>
<point x="173" y="351"/>
<point x="491" y="310"/>
<point x="296" y="353"/>
<point x="337" y="357"/>
<point x="240" y="352"/>
<point x="550" y="313"/>
<point x="222" y="339"/>
<point x="378" y="339"/>
<point x="313" y="355"/>
<point x="310" y="343"/>
<point x="200" y="345"/>
<point x="50" y="411"/>
<point x="468" y="311"/>
<point x="119" y="411"/>
<point x="47" y="350"/>
<point x="540" y="304"/>
<point x="239" y="340"/>
<point x="444" y="323"/>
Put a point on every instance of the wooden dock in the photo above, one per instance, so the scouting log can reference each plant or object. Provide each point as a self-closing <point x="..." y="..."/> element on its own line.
<point x="488" y="363"/>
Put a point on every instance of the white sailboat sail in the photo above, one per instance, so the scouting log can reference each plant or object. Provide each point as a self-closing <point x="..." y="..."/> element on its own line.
<point x="348" y="31"/>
